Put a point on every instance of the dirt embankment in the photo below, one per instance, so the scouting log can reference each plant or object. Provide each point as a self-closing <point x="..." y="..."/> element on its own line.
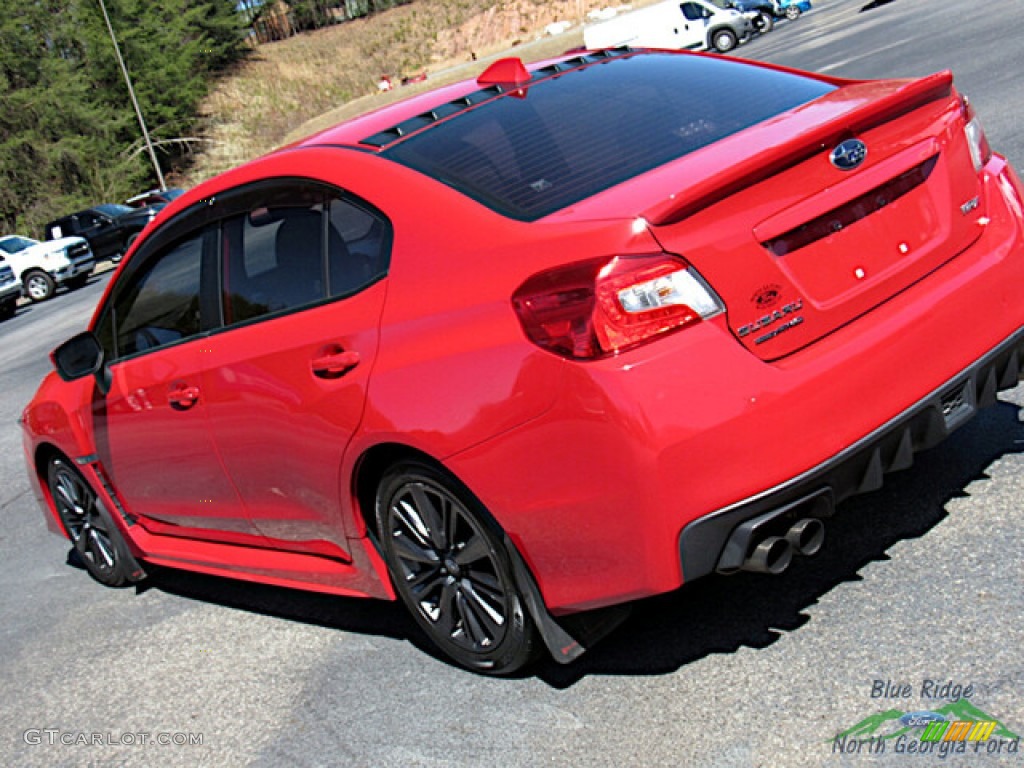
<point x="294" y="87"/>
<point x="508" y="22"/>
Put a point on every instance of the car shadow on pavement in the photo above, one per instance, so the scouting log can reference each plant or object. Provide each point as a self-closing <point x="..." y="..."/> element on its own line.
<point x="721" y="614"/>
<point x="349" y="614"/>
<point x="718" y="614"/>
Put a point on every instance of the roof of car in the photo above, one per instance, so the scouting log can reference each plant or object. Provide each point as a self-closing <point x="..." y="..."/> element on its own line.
<point x="529" y="143"/>
<point x="433" y="106"/>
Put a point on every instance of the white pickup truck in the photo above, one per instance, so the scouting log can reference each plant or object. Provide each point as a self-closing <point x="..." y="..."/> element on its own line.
<point x="42" y="267"/>
<point x="10" y="290"/>
<point x="694" y="24"/>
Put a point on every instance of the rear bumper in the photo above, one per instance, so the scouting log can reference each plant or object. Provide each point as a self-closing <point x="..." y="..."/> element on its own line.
<point x="637" y="474"/>
<point x="704" y="544"/>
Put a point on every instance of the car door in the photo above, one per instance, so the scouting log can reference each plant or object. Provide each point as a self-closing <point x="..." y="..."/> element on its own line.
<point x="286" y="383"/>
<point x="151" y="427"/>
<point x="692" y="29"/>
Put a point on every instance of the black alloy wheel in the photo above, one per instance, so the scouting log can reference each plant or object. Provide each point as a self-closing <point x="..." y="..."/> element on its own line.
<point x="450" y="568"/>
<point x="97" y="542"/>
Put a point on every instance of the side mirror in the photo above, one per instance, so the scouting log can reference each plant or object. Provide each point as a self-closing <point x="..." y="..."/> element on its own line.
<point x="81" y="356"/>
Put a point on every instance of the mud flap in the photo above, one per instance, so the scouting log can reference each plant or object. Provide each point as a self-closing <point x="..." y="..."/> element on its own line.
<point x="136" y="572"/>
<point x="568" y="638"/>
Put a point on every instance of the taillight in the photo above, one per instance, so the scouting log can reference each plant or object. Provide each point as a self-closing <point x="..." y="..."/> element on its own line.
<point x="981" y="152"/>
<point x="600" y="307"/>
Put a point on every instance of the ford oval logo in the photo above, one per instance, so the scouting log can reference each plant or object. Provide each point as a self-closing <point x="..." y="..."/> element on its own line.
<point x="921" y="719"/>
<point x="849" y="154"/>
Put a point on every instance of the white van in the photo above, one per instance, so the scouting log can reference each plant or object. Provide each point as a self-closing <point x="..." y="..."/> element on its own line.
<point x="694" y="24"/>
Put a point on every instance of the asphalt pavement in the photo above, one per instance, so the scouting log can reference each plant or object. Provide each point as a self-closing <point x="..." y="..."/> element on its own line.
<point x="916" y="596"/>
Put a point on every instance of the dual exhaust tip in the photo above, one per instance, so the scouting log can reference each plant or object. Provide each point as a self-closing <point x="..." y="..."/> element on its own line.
<point x="773" y="554"/>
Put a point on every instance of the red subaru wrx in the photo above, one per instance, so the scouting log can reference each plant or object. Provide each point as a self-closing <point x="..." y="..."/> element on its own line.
<point x="540" y="343"/>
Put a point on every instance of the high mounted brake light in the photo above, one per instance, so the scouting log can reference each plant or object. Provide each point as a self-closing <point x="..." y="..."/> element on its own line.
<point x="600" y="307"/>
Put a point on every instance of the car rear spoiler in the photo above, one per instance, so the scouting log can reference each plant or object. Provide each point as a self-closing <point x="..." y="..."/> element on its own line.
<point x="773" y="159"/>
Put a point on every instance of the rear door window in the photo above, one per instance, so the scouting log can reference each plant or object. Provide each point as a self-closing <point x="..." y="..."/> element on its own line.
<point x="279" y="258"/>
<point x="274" y="261"/>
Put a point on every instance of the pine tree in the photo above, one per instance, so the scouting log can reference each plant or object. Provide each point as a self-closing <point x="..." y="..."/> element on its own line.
<point x="69" y="137"/>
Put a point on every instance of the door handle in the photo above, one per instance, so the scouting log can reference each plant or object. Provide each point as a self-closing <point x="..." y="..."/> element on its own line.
<point x="335" y="363"/>
<point x="182" y="397"/>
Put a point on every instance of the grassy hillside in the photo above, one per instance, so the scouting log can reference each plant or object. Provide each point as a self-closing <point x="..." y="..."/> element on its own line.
<point x="292" y="88"/>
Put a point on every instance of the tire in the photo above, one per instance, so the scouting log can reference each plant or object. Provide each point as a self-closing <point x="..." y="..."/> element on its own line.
<point x="39" y="286"/>
<point x="7" y="309"/>
<point x="763" y="22"/>
<point x="723" y="40"/>
<point x="451" y="570"/>
<point x="793" y="12"/>
<point x="78" y="281"/>
<point x="98" y="543"/>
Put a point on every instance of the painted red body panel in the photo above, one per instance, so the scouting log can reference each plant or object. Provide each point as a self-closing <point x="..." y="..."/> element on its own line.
<point x="661" y="442"/>
<point x="593" y="469"/>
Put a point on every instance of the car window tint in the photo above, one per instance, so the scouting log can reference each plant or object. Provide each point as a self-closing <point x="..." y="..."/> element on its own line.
<point x="273" y="261"/>
<point x="162" y="305"/>
<point x="358" y="243"/>
<point x="571" y="136"/>
<point x="274" y="256"/>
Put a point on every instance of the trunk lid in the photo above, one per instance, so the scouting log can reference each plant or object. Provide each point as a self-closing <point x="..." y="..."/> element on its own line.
<point x="796" y="244"/>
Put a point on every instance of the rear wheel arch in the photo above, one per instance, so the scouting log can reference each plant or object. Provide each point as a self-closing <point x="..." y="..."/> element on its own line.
<point x="454" y="567"/>
<point x="371" y="468"/>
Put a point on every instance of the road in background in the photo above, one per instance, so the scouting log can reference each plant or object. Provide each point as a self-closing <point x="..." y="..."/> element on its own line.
<point x="920" y="581"/>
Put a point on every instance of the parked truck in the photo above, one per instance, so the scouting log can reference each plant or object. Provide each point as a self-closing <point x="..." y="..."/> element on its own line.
<point x="694" y="24"/>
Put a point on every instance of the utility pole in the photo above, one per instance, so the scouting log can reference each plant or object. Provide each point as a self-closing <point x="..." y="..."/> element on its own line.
<point x="135" y="102"/>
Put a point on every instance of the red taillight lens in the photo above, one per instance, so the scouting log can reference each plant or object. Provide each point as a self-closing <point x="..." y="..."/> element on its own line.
<point x="981" y="152"/>
<point x="600" y="307"/>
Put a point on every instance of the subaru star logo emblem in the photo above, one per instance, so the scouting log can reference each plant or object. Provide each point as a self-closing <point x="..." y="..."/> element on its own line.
<point x="849" y="154"/>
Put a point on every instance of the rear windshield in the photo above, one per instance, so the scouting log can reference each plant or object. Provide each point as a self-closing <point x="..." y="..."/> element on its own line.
<point x="586" y="130"/>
